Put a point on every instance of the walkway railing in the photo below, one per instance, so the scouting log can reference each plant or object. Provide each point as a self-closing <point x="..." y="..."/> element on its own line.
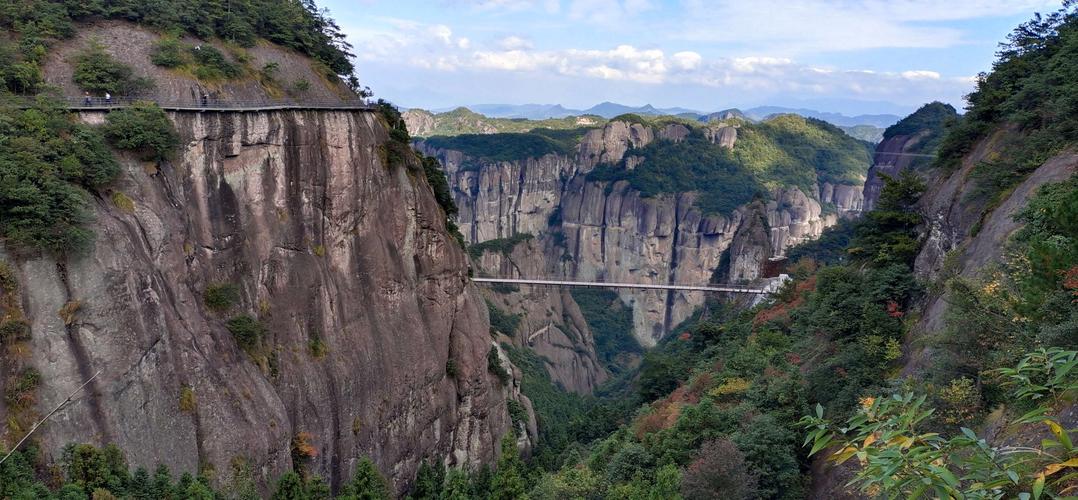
<point x="211" y="104"/>
<point x="605" y="284"/>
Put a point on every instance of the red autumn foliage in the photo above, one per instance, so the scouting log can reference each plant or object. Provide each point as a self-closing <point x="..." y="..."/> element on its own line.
<point x="684" y="336"/>
<point x="840" y="371"/>
<point x="1070" y="281"/>
<point x="781" y="311"/>
<point x="893" y="310"/>
<point x="793" y="358"/>
<point x="302" y="447"/>
<point x="663" y="416"/>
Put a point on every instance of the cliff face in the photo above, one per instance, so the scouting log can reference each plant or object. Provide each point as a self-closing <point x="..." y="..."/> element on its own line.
<point x="613" y="233"/>
<point x="964" y="235"/>
<point x="551" y="323"/>
<point x="891" y="158"/>
<point x="325" y="244"/>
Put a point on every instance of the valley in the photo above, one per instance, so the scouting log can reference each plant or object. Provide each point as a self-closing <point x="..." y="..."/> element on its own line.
<point x="226" y="271"/>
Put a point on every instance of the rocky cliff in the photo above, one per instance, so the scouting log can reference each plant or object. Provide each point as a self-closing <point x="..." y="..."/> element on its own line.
<point x="610" y="231"/>
<point x="342" y="258"/>
<point x="551" y="324"/>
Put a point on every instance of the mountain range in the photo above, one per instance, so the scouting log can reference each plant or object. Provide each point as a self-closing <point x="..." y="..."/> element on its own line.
<point x="611" y="109"/>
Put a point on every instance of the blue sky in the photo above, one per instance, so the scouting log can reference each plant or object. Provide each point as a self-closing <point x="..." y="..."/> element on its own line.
<point x="852" y="56"/>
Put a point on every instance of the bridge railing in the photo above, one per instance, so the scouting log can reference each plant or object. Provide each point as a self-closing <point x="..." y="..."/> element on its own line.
<point x="98" y="102"/>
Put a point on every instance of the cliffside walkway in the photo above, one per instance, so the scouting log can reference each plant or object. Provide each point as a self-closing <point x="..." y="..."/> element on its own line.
<point x="605" y="284"/>
<point x="214" y="105"/>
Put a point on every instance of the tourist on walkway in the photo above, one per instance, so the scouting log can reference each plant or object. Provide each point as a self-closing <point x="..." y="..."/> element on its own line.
<point x="86" y="99"/>
<point x="108" y="98"/>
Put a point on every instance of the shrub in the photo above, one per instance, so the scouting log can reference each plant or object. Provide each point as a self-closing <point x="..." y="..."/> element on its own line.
<point x="142" y="127"/>
<point x="212" y="64"/>
<point x="8" y="282"/>
<point x="301" y="86"/>
<point x="451" y="368"/>
<point x="14" y="330"/>
<point x="246" y="330"/>
<point x="123" y="202"/>
<point x="187" y="399"/>
<point x="718" y="472"/>
<point x="317" y="348"/>
<point x="494" y="365"/>
<point x="168" y="53"/>
<point x="517" y="413"/>
<point x="69" y="311"/>
<point x="269" y="71"/>
<point x="19" y="392"/>
<point x="47" y="161"/>
<point x="221" y="296"/>
<point x="302" y="449"/>
<point x="502" y="322"/>
<point x="96" y="71"/>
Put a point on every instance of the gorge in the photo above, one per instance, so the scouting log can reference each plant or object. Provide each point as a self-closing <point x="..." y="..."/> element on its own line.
<point x="258" y="282"/>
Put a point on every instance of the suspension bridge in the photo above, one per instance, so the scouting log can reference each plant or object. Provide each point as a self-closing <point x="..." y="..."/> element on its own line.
<point x="641" y="286"/>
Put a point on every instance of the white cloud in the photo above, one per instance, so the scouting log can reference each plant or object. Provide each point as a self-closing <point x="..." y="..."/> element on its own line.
<point x="920" y="75"/>
<point x="607" y="12"/>
<point x="800" y="26"/>
<point x="514" y="43"/>
<point x="439" y="48"/>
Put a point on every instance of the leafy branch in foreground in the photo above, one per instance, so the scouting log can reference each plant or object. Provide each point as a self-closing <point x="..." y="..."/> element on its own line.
<point x="898" y="458"/>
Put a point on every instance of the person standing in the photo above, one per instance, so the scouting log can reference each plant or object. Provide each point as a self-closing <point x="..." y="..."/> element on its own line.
<point x="86" y="99"/>
<point x="108" y="98"/>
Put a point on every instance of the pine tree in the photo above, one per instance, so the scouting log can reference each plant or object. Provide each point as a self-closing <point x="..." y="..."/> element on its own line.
<point x="367" y="483"/>
<point x="508" y="483"/>
<point x="457" y="486"/>
<point x="290" y="487"/>
<point x="161" y="487"/>
<point x="428" y="481"/>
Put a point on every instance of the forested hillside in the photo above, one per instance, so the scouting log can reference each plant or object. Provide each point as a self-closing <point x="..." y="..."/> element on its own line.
<point x="787" y="150"/>
<point x="727" y="403"/>
<point x="297" y="24"/>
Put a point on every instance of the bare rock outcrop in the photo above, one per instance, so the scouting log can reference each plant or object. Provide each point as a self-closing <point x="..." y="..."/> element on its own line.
<point x="325" y="244"/>
<point x="551" y="324"/>
<point x="609" y="231"/>
<point x="420" y="122"/>
<point x="964" y="235"/>
<point x="721" y="134"/>
<point x="609" y="143"/>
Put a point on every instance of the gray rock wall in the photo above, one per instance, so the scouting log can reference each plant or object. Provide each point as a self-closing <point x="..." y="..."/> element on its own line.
<point x="324" y="242"/>
<point x="613" y="233"/>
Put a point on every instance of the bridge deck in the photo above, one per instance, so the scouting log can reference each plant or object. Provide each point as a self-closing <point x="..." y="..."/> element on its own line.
<point x="604" y="284"/>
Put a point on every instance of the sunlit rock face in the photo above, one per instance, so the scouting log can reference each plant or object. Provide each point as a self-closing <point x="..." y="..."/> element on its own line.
<point x="326" y="244"/>
<point x="608" y="231"/>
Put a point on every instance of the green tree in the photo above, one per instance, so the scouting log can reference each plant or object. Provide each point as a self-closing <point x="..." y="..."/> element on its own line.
<point x="290" y="487"/>
<point x="900" y="457"/>
<point x="143" y="127"/>
<point x="429" y="481"/>
<point x="508" y="481"/>
<point x="367" y="483"/>
<point x="98" y="72"/>
<point x="457" y="485"/>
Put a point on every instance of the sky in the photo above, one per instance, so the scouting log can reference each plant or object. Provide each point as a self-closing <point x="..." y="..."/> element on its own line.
<point x="848" y="56"/>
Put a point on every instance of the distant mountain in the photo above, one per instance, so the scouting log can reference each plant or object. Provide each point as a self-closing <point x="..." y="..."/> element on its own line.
<point x="547" y="111"/>
<point x="868" y="133"/>
<point x="612" y="109"/>
<point x="841" y="120"/>
<point x="527" y="111"/>
<point x="725" y="114"/>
